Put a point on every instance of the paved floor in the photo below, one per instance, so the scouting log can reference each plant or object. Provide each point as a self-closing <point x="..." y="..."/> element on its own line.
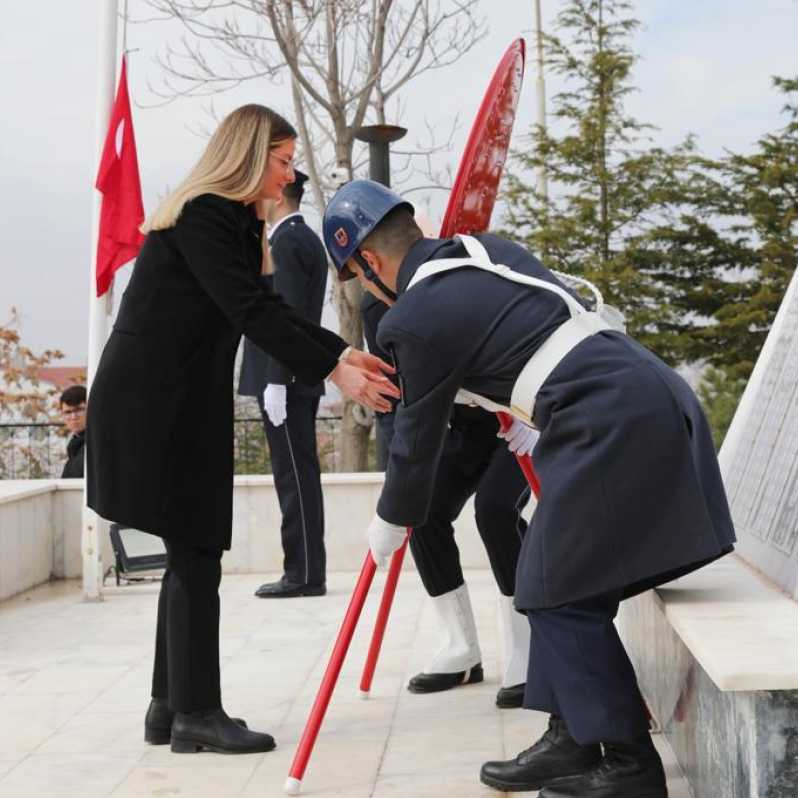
<point x="74" y="683"/>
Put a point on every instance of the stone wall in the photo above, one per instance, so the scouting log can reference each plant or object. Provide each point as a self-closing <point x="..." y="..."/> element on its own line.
<point x="730" y="744"/>
<point x="40" y="528"/>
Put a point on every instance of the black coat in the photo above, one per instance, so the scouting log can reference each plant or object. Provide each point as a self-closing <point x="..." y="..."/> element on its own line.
<point x="300" y="277"/>
<point x="76" y="457"/>
<point x="631" y="494"/>
<point x="160" y="412"/>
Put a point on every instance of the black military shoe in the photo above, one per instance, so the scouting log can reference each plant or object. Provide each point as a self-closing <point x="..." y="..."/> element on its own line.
<point x="625" y="772"/>
<point x="436" y="682"/>
<point x="158" y="722"/>
<point x="554" y="757"/>
<point x="285" y="588"/>
<point x="511" y="697"/>
<point x="216" y="732"/>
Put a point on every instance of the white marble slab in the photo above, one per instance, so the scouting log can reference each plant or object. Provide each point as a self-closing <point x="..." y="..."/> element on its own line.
<point x="741" y="628"/>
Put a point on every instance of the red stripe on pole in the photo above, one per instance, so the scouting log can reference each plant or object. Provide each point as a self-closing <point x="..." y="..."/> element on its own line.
<point x="330" y="679"/>
<point x="382" y="615"/>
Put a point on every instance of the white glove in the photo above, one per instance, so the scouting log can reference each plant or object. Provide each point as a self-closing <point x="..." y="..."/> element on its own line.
<point x="520" y="438"/>
<point x="274" y="403"/>
<point x="384" y="540"/>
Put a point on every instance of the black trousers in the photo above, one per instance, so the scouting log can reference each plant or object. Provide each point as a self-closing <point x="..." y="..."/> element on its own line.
<point x="486" y="467"/>
<point x="297" y="479"/>
<point x="186" y="669"/>
<point x="582" y="673"/>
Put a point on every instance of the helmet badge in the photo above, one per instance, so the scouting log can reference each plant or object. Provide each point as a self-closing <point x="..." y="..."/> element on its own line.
<point x="341" y="237"/>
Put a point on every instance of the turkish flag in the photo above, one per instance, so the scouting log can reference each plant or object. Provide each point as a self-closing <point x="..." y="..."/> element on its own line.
<point x="122" y="211"/>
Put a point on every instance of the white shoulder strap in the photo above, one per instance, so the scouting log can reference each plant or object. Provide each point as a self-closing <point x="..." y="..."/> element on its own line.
<point x="479" y="259"/>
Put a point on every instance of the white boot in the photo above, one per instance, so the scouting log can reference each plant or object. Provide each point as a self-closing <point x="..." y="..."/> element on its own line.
<point x="458" y="661"/>
<point x="460" y="649"/>
<point x="516" y="643"/>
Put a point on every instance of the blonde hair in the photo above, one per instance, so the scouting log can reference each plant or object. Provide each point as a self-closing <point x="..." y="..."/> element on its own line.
<point x="232" y="165"/>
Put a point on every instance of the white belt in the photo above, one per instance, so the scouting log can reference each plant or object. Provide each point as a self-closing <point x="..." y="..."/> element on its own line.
<point x="548" y="357"/>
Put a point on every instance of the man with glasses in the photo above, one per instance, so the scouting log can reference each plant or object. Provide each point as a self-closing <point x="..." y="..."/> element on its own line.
<point x="72" y="405"/>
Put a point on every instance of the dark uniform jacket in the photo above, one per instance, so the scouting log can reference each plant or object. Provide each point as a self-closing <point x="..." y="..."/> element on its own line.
<point x="76" y="456"/>
<point x="472" y="435"/>
<point x="631" y="494"/>
<point x="300" y="277"/>
<point x="160" y="413"/>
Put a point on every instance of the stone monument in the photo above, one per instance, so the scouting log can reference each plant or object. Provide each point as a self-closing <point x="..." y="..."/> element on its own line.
<point x="759" y="457"/>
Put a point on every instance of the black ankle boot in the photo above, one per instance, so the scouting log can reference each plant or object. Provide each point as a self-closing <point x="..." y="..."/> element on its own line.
<point x="158" y="722"/>
<point x="628" y="770"/>
<point x="217" y="732"/>
<point x="437" y="682"/>
<point x="555" y="756"/>
<point x="511" y="697"/>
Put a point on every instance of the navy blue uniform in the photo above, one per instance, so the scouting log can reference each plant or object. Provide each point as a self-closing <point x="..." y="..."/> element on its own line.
<point x="300" y="278"/>
<point x="631" y="494"/>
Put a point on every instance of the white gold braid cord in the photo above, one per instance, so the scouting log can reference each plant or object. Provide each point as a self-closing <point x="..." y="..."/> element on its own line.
<point x="612" y="315"/>
<point x="573" y="279"/>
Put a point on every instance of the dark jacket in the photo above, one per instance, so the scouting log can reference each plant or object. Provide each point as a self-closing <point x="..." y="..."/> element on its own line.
<point x="160" y="412"/>
<point x="300" y="277"/>
<point x="631" y="494"/>
<point x="472" y="431"/>
<point x="76" y="457"/>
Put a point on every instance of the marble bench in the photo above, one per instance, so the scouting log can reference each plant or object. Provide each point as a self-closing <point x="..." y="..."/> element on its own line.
<point x="716" y="654"/>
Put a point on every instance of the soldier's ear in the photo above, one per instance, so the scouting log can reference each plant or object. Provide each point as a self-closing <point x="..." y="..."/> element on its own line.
<point x="373" y="259"/>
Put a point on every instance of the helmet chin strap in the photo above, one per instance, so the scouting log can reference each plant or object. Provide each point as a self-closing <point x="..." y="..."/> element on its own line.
<point x="372" y="277"/>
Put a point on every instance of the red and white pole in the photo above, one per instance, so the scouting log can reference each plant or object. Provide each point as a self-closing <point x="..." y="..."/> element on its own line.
<point x="294" y="781"/>
<point x="382" y="617"/>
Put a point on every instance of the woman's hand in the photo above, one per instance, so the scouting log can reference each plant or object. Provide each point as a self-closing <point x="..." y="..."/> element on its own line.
<point x="368" y="386"/>
<point x="369" y="362"/>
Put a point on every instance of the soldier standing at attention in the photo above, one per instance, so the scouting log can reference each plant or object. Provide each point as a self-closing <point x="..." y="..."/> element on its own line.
<point x="288" y="405"/>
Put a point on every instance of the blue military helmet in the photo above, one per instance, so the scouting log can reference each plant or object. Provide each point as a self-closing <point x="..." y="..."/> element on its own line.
<point x="352" y="213"/>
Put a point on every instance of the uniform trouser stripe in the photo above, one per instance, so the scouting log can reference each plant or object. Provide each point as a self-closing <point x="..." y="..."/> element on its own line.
<point x="301" y="503"/>
<point x="297" y="480"/>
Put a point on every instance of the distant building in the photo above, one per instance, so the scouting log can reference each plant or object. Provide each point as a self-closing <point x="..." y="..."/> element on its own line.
<point x="62" y="377"/>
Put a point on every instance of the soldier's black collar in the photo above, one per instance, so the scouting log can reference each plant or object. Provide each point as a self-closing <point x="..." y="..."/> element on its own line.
<point x="422" y="251"/>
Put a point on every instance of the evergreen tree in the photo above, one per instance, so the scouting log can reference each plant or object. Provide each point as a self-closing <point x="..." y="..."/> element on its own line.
<point x="759" y="206"/>
<point x="720" y="395"/>
<point x="696" y="252"/>
<point x="628" y="216"/>
<point x="758" y="202"/>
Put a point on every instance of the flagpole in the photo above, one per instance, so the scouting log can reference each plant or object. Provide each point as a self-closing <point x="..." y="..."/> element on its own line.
<point x="98" y="307"/>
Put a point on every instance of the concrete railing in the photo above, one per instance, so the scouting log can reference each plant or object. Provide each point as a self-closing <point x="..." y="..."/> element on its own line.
<point x="40" y="528"/>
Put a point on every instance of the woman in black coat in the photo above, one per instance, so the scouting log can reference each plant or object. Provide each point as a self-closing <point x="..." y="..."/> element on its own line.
<point x="160" y="416"/>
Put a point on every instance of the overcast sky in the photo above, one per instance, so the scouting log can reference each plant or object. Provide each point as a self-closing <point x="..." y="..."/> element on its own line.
<point x="705" y="68"/>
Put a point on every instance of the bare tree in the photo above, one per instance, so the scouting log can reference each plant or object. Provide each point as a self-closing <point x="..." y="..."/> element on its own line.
<point x="24" y="401"/>
<point x="345" y="60"/>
